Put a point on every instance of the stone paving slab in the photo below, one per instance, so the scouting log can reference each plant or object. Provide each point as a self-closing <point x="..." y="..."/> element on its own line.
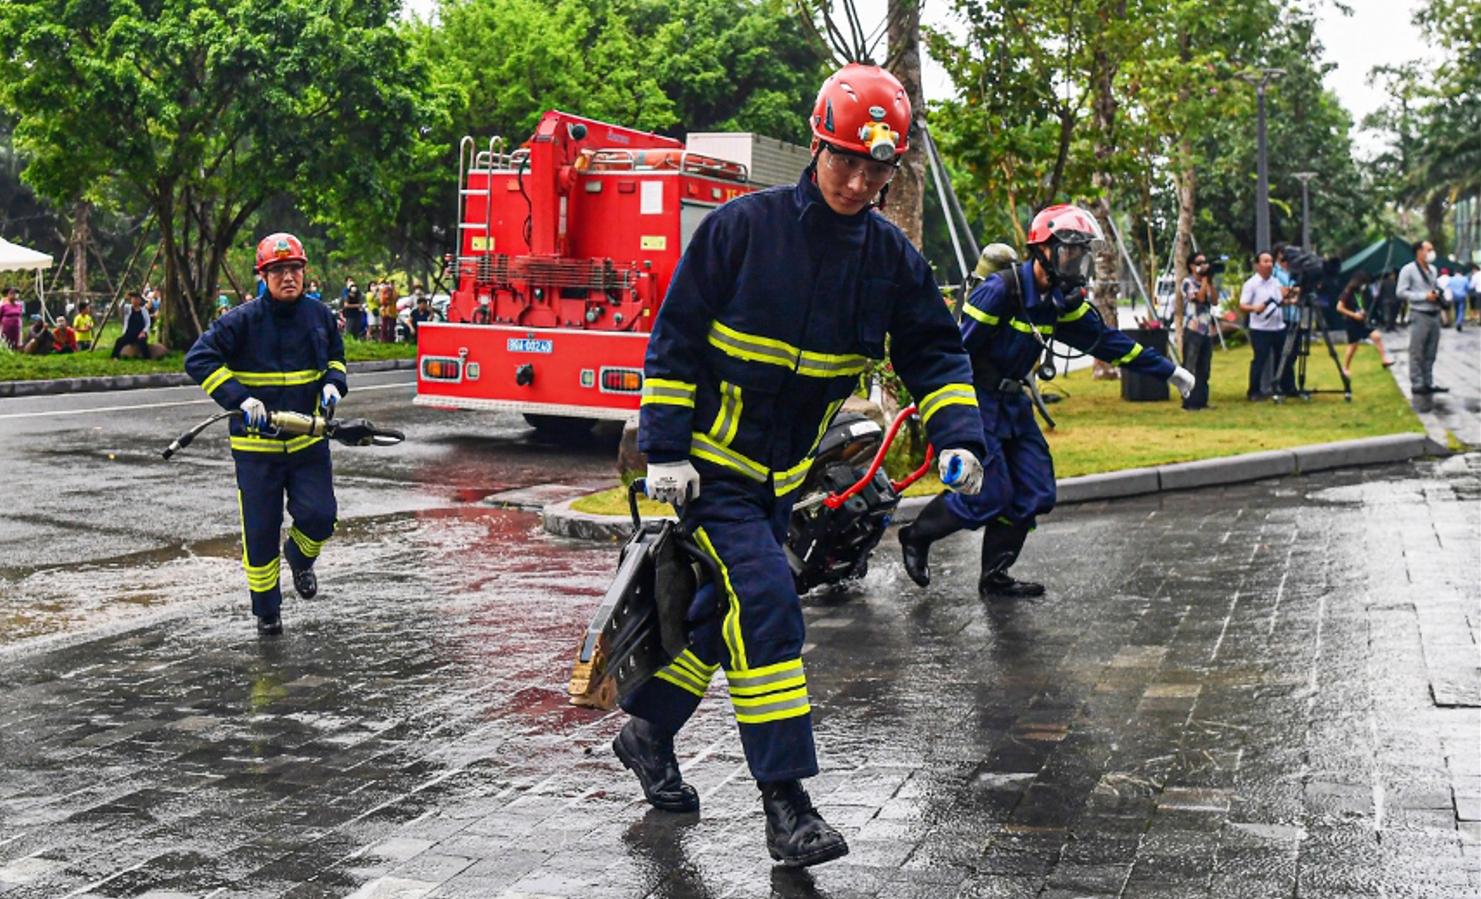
<point x="1235" y="692"/>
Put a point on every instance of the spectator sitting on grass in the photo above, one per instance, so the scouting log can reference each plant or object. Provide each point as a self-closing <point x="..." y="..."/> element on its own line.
<point x="135" y="328"/>
<point x="82" y="325"/>
<point x="64" y="338"/>
<point x="39" y="340"/>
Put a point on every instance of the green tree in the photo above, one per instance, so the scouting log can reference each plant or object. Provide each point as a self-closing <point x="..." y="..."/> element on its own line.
<point x="202" y="110"/>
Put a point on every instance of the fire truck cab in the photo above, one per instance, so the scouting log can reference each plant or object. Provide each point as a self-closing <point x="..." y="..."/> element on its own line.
<point x="565" y="247"/>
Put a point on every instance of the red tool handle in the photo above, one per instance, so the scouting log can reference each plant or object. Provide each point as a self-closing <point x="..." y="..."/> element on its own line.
<point x="839" y="499"/>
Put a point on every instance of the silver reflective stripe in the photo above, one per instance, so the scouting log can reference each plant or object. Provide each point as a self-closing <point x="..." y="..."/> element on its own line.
<point x="731" y="341"/>
<point x="701" y="445"/>
<point x="728" y="419"/>
<point x="741" y="681"/>
<point x="942" y="397"/>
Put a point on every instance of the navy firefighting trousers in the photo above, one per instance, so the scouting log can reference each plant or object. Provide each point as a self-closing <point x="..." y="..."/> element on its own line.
<point x="262" y="480"/>
<point x="1017" y="475"/>
<point x="758" y="640"/>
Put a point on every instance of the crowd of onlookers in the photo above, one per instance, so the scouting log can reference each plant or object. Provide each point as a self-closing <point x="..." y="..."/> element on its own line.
<point x="378" y="313"/>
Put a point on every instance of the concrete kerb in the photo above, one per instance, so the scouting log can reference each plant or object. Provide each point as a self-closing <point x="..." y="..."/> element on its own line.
<point x="157" y="379"/>
<point x="562" y="520"/>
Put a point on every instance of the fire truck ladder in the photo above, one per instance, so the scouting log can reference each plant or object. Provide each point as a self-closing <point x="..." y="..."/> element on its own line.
<point x="471" y="160"/>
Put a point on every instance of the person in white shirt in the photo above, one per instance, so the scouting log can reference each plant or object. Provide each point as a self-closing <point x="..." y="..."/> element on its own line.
<point x="1262" y="298"/>
<point x="1474" y="295"/>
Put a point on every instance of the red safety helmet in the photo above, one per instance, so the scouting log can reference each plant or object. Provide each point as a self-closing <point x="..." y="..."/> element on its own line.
<point x="1065" y="240"/>
<point x="280" y="247"/>
<point x="863" y="110"/>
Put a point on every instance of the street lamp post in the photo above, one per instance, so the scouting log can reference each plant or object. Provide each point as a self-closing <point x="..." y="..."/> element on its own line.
<point x="1260" y="78"/>
<point x="1305" y="178"/>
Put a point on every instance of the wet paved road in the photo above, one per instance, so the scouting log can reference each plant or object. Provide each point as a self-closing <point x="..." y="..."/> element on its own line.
<point x="1263" y="691"/>
<point x="94" y="525"/>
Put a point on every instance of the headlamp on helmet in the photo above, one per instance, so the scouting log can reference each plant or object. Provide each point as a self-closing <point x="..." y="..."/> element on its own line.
<point x="878" y="137"/>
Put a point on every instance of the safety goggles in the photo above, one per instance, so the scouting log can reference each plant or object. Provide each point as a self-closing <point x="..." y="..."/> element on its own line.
<point x="849" y="166"/>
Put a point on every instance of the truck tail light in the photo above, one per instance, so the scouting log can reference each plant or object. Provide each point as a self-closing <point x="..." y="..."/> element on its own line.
<point x="622" y="380"/>
<point x="438" y="368"/>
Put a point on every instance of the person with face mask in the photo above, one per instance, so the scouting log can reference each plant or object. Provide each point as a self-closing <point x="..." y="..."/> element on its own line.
<point x="1417" y="287"/>
<point x="1007" y="321"/>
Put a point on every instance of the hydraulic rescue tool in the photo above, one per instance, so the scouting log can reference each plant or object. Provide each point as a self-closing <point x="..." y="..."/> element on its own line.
<point x="655" y="603"/>
<point x="350" y="431"/>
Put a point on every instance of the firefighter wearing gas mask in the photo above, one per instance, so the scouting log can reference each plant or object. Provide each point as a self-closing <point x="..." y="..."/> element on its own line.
<point x="277" y="353"/>
<point x="1007" y="323"/>
<point x="780" y="300"/>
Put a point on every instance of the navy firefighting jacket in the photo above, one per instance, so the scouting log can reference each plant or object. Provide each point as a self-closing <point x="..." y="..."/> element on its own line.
<point x="280" y="353"/>
<point x="772" y="314"/>
<point x="997" y="330"/>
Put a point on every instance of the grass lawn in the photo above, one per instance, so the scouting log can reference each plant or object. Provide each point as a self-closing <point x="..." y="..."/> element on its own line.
<point x="1100" y="432"/>
<point x="99" y="362"/>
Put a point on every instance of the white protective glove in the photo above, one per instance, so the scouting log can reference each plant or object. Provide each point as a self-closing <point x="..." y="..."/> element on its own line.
<point x="961" y="472"/>
<point x="254" y="412"/>
<point x="1183" y="380"/>
<point x="329" y="398"/>
<point x="674" y="483"/>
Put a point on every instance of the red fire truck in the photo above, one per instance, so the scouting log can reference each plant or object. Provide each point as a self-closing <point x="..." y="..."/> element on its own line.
<point x="565" y="247"/>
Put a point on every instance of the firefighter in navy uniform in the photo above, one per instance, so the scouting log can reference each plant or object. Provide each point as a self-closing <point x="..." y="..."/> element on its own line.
<point x="1007" y="322"/>
<point x="277" y="353"/>
<point x="780" y="300"/>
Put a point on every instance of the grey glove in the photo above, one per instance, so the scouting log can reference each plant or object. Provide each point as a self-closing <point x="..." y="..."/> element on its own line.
<point x="961" y="472"/>
<point x="672" y="482"/>
<point x="1183" y="380"/>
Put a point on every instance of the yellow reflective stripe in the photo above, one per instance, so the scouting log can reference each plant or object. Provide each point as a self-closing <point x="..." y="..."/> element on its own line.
<point x="727" y="420"/>
<point x="261" y="578"/>
<point x="1077" y="314"/>
<point x="662" y="391"/>
<point x="950" y="395"/>
<point x="690" y="661"/>
<point x="768" y="679"/>
<point x="702" y="446"/>
<point x="828" y="365"/>
<point x="751" y="347"/>
<point x="1136" y="350"/>
<point x="833" y="408"/>
<point x="985" y="317"/>
<point x="792" y="478"/>
<point x="216" y="379"/>
<point x="755" y="348"/>
<point x="278" y="378"/>
<point x="250" y="444"/>
<point x="730" y="627"/>
<point x="683" y="680"/>
<point x="1028" y="328"/>
<point x="773" y="707"/>
<point x="309" y="547"/>
<point x="336" y="365"/>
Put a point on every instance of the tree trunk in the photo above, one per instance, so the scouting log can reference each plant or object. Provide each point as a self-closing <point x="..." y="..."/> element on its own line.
<point x="1182" y="243"/>
<point x="1434" y="220"/>
<point x="80" y="240"/>
<point x="1103" y="120"/>
<point x="907" y="191"/>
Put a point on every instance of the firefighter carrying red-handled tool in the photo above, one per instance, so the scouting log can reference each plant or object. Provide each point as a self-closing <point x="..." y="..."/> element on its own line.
<point x="777" y="305"/>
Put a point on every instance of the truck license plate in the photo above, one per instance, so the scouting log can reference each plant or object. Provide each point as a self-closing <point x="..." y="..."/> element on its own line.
<point x="530" y="345"/>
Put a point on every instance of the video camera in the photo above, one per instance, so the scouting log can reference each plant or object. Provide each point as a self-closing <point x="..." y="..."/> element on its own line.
<point x="1310" y="272"/>
<point x="1213" y="267"/>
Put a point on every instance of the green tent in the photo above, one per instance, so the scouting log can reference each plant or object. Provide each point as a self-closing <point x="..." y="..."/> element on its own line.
<point x="1375" y="259"/>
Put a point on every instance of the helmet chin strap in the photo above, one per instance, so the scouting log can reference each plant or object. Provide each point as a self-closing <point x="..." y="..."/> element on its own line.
<point x="883" y="193"/>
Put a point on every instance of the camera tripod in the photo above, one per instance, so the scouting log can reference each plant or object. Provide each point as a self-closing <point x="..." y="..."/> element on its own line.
<point x="1298" y="341"/>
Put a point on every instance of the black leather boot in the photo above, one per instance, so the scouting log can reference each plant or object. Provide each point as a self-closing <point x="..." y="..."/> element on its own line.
<point x="934" y="522"/>
<point x="650" y="755"/>
<point x="304" y="581"/>
<point x="796" y="835"/>
<point x="269" y="625"/>
<point x="1001" y="544"/>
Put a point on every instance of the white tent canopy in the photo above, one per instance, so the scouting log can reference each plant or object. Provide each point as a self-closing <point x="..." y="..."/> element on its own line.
<point x="14" y="257"/>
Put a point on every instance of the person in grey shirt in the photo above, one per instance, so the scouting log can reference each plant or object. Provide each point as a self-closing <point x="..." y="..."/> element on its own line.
<point x="1417" y="288"/>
